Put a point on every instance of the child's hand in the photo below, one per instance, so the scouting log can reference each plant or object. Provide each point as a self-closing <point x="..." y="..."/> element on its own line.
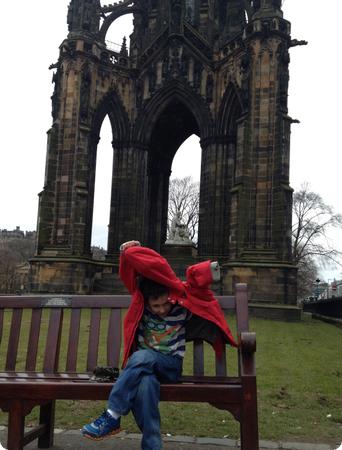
<point x="128" y="244"/>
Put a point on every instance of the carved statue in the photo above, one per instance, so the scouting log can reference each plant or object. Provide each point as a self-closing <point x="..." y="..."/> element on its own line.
<point x="245" y="80"/>
<point x="55" y="96"/>
<point x="85" y="94"/>
<point x="176" y="14"/>
<point x="190" y="10"/>
<point x="139" y="93"/>
<point x="179" y="233"/>
<point x="284" y="60"/>
<point x="210" y="88"/>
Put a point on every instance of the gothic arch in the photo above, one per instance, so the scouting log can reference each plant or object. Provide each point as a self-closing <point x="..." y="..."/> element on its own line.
<point x="111" y="104"/>
<point x="174" y="91"/>
<point x="112" y="17"/>
<point x="230" y="110"/>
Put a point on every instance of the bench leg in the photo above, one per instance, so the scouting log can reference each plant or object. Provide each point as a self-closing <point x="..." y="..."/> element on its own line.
<point x="249" y="420"/>
<point x="16" y="423"/>
<point x="47" y="417"/>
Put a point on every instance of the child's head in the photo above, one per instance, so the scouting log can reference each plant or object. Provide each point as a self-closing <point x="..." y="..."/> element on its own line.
<point x="156" y="297"/>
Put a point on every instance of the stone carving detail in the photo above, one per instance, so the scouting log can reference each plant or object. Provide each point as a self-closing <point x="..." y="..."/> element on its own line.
<point x="139" y="87"/>
<point x="152" y="79"/>
<point x="198" y="68"/>
<point x="165" y="68"/>
<point x="179" y="233"/>
<point x="284" y="60"/>
<point x="210" y="88"/>
<point x="55" y="98"/>
<point x="245" y="80"/>
<point x="176" y="15"/>
<point x="190" y="11"/>
<point x="175" y="61"/>
<point x="85" y="94"/>
<point x="184" y="64"/>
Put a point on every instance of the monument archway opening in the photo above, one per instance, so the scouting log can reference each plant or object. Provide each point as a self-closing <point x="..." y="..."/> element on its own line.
<point x="184" y="187"/>
<point x="175" y="124"/>
<point x="102" y="191"/>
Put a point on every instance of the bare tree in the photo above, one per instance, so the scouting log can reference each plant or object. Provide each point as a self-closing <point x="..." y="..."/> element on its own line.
<point x="313" y="219"/>
<point x="307" y="276"/>
<point x="13" y="253"/>
<point x="184" y="199"/>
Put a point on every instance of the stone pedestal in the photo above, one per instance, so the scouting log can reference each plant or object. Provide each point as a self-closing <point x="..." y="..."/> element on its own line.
<point x="74" y="276"/>
<point x="267" y="283"/>
<point x="180" y="257"/>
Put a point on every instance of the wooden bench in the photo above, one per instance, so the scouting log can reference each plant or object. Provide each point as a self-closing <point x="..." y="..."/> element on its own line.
<point x="42" y="362"/>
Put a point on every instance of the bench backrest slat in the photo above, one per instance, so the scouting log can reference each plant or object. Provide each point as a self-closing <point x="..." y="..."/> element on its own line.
<point x="94" y="336"/>
<point x="241" y="308"/>
<point x="114" y="338"/>
<point x="53" y="341"/>
<point x="198" y="365"/>
<point x="221" y="364"/>
<point x="74" y="333"/>
<point x="33" y="341"/>
<point x="14" y="339"/>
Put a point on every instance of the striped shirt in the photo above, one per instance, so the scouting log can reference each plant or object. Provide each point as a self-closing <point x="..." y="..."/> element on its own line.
<point x="164" y="334"/>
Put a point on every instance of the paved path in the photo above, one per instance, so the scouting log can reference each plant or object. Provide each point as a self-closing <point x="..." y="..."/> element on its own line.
<point x="73" y="440"/>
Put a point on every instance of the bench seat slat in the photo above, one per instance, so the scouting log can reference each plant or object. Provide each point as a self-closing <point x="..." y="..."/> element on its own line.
<point x="13" y="342"/>
<point x="32" y="346"/>
<point x="200" y="392"/>
<point x="67" y="376"/>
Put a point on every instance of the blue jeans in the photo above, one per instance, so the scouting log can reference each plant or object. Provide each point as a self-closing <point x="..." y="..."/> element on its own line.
<point x="138" y="390"/>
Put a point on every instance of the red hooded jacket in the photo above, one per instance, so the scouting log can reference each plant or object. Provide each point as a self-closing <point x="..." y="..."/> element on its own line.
<point x="193" y="294"/>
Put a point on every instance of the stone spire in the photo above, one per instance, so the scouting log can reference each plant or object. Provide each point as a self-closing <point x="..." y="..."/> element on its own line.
<point x="84" y="16"/>
<point x="267" y="8"/>
<point x="235" y="17"/>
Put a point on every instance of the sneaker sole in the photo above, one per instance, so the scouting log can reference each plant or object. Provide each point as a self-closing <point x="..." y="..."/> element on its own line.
<point x="107" y="436"/>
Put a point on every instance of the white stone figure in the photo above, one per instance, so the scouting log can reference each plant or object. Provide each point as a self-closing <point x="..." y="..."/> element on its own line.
<point x="179" y="233"/>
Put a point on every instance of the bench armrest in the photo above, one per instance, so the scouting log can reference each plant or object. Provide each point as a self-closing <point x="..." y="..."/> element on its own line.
<point x="247" y="348"/>
<point x="247" y="342"/>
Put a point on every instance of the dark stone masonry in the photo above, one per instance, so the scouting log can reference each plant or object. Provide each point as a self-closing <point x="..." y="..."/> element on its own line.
<point x="215" y="69"/>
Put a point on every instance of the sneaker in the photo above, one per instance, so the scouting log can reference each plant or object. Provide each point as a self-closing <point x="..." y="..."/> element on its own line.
<point x="103" y="427"/>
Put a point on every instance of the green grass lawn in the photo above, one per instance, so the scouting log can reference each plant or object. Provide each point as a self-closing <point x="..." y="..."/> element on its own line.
<point x="299" y="376"/>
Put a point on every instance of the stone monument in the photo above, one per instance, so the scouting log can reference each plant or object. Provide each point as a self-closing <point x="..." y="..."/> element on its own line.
<point x="217" y="69"/>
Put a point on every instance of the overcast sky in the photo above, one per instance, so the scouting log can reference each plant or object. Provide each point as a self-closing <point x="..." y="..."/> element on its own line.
<point x="30" y="35"/>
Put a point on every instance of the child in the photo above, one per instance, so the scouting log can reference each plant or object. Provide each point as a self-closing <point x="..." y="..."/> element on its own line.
<point x="164" y="312"/>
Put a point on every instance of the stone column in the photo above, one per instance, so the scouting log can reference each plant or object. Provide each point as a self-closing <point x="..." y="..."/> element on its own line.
<point x="218" y="156"/>
<point x="128" y="199"/>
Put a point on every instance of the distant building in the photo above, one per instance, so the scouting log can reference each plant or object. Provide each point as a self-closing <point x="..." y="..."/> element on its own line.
<point x="17" y="234"/>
